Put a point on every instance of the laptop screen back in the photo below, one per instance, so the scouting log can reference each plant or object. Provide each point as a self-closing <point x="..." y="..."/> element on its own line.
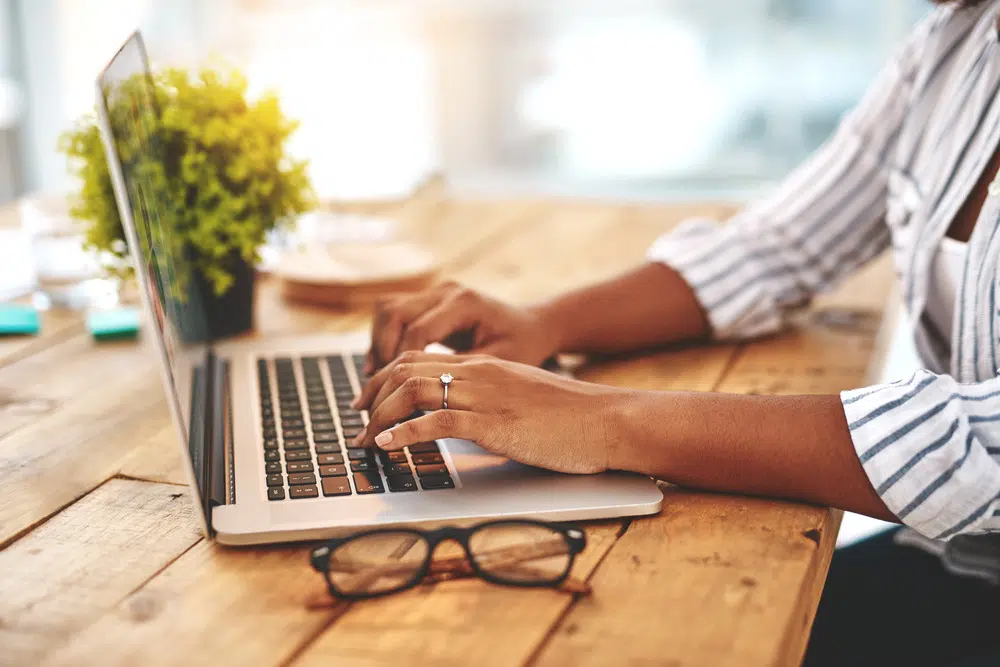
<point x="140" y="172"/>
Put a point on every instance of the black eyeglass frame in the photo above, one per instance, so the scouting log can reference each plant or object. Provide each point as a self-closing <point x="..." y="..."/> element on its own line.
<point x="576" y="541"/>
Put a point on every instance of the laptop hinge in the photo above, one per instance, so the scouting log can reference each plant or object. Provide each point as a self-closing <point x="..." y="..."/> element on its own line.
<point x="218" y="434"/>
<point x="198" y="437"/>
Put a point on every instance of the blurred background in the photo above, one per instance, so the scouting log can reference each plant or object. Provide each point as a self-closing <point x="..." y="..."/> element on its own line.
<point x="626" y="99"/>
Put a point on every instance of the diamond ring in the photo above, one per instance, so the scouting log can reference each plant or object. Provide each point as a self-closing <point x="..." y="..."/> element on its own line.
<point x="446" y="379"/>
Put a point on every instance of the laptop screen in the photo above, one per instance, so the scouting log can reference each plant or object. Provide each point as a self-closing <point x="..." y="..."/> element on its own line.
<point x="140" y="171"/>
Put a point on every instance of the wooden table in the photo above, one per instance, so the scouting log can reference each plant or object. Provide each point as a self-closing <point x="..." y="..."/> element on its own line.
<point x="102" y="562"/>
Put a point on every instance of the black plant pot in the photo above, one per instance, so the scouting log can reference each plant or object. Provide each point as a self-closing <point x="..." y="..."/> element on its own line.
<point x="209" y="316"/>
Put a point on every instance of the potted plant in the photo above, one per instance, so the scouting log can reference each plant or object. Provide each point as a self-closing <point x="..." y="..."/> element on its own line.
<point x="223" y="180"/>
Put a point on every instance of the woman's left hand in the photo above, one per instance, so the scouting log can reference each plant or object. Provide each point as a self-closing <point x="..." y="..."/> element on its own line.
<point x="520" y="412"/>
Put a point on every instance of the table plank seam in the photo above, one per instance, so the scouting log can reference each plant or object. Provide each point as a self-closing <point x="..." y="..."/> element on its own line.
<point x="558" y="620"/>
<point x="112" y="608"/>
<point x="66" y="333"/>
<point x="4" y="542"/>
<point x="137" y="478"/>
<point x="340" y="608"/>
<point x="734" y="357"/>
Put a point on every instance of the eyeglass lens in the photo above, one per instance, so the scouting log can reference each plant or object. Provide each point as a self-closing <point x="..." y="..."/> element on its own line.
<point x="377" y="563"/>
<point x="521" y="553"/>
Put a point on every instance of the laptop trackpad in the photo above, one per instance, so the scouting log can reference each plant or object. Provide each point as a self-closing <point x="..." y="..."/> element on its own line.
<point x="475" y="464"/>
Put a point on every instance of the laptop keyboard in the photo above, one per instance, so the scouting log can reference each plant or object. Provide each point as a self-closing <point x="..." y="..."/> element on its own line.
<point x="307" y="422"/>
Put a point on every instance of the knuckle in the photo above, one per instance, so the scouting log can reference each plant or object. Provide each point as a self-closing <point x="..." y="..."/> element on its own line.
<point x="444" y="420"/>
<point x="413" y="388"/>
<point x="408" y="357"/>
<point x="401" y="372"/>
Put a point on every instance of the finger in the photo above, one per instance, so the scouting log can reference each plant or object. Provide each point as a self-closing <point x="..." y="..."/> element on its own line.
<point x="403" y="372"/>
<point x="451" y="315"/>
<point x="391" y="318"/>
<point x="417" y="393"/>
<point x="374" y="385"/>
<point x="433" y="426"/>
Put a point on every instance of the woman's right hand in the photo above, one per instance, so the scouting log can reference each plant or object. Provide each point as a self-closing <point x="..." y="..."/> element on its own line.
<point x="462" y="319"/>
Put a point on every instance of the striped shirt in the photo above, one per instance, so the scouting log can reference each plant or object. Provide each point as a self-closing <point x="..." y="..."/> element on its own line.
<point x="900" y="166"/>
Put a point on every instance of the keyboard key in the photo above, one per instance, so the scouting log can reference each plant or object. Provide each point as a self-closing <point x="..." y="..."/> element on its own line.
<point x="434" y="469"/>
<point x="272" y="468"/>
<point x="397" y="469"/>
<point x="302" y="478"/>
<point x="323" y="425"/>
<point x="351" y="433"/>
<point x="368" y="482"/>
<point x="424" y="448"/>
<point x="276" y="480"/>
<point x="324" y="435"/>
<point x="272" y="455"/>
<point x="392" y="457"/>
<point x="327" y="448"/>
<point x="336" y="486"/>
<point x="366" y="464"/>
<point x="400" y="483"/>
<point x="299" y="455"/>
<point x="304" y="491"/>
<point x="299" y="466"/>
<point x="276" y="493"/>
<point x="432" y="482"/>
<point x="332" y="471"/>
<point x="292" y="423"/>
<point x="291" y="445"/>
<point x="270" y="443"/>
<point x="423" y="459"/>
<point x="359" y="453"/>
<point x="347" y="422"/>
<point x="294" y="433"/>
<point x="330" y="459"/>
<point x="269" y="432"/>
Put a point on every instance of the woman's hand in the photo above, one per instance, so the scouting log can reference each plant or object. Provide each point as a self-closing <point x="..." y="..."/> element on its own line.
<point x="517" y="411"/>
<point x="461" y="318"/>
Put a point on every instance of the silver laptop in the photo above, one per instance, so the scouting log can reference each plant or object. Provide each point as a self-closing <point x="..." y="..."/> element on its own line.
<point x="264" y="426"/>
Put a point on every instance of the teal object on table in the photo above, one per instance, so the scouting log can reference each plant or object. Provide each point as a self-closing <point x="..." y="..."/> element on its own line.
<point x="117" y="324"/>
<point x="18" y="319"/>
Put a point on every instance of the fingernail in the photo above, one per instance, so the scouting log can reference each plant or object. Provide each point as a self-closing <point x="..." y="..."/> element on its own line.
<point x="356" y="403"/>
<point x="360" y="437"/>
<point x="383" y="438"/>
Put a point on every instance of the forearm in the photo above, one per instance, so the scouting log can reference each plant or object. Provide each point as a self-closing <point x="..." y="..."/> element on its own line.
<point x="651" y="305"/>
<point x="796" y="447"/>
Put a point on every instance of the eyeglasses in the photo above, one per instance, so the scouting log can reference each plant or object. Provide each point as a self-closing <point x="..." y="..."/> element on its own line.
<point x="509" y="552"/>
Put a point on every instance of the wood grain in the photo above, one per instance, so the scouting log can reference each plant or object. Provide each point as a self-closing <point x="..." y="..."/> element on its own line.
<point x="708" y="582"/>
<point x="85" y="560"/>
<point x="60" y="457"/>
<point x="453" y="623"/>
<point x="212" y="606"/>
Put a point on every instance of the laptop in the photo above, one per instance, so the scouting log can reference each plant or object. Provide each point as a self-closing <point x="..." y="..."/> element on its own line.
<point x="264" y="426"/>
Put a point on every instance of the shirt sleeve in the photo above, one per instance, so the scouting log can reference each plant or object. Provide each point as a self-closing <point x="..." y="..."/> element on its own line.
<point x="825" y="221"/>
<point x="928" y="446"/>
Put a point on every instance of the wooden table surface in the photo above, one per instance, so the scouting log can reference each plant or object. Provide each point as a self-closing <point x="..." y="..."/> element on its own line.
<point x="101" y="561"/>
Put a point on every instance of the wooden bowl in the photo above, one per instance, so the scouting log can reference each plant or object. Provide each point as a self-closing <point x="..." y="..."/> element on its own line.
<point x="354" y="274"/>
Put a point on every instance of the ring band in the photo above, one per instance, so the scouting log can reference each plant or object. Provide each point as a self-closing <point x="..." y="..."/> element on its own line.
<point x="446" y="379"/>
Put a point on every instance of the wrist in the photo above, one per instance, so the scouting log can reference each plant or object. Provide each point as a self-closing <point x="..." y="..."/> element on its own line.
<point x="623" y="412"/>
<point x="552" y="327"/>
